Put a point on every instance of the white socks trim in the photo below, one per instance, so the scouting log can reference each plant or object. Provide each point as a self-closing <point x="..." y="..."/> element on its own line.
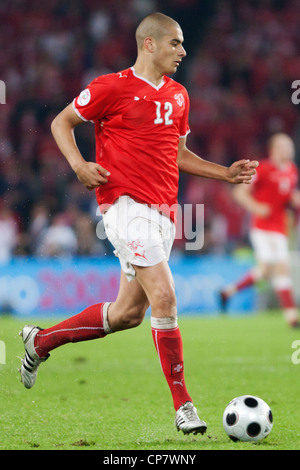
<point x="106" y="326"/>
<point x="166" y="323"/>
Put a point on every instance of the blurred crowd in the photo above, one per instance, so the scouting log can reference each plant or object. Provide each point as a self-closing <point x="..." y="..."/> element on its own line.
<point x="242" y="59"/>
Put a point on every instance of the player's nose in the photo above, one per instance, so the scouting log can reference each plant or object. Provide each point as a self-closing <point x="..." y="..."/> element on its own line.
<point x="182" y="52"/>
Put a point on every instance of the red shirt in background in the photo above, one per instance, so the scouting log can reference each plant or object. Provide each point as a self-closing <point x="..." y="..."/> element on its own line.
<point x="274" y="185"/>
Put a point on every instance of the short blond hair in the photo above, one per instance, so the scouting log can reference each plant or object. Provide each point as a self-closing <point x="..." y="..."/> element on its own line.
<point x="279" y="136"/>
<point x="156" y="25"/>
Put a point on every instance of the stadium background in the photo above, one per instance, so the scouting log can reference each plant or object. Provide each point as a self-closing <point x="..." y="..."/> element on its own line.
<point x="243" y="57"/>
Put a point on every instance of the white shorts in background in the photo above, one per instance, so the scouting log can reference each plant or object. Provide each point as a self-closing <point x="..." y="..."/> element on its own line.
<point x="269" y="247"/>
<point x="140" y="234"/>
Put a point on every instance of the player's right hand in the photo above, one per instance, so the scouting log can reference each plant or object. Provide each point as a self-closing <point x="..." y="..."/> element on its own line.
<point x="92" y="175"/>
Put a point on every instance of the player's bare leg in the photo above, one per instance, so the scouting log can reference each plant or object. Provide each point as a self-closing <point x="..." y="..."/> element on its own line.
<point x="282" y="284"/>
<point x="158" y="284"/>
<point x="128" y="311"/>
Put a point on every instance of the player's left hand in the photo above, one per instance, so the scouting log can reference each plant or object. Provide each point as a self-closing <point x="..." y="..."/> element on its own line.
<point x="242" y="171"/>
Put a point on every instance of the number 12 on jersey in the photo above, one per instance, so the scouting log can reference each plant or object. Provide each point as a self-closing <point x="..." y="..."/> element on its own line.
<point x="168" y="108"/>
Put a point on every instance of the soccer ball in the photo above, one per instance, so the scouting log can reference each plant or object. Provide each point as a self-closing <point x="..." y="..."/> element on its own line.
<point x="247" y="418"/>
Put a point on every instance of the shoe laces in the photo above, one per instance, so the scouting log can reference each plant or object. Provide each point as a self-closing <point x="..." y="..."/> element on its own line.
<point x="188" y="410"/>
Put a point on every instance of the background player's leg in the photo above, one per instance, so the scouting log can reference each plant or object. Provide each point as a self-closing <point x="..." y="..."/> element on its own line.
<point x="284" y="289"/>
<point x="253" y="276"/>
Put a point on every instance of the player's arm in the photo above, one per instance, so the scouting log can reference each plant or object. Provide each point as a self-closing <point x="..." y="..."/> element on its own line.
<point x="239" y="172"/>
<point x="90" y="174"/>
<point x="243" y="196"/>
<point x="295" y="199"/>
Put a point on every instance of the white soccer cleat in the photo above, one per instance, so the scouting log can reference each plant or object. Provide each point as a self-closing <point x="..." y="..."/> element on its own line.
<point x="187" y="420"/>
<point x="31" y="361"/>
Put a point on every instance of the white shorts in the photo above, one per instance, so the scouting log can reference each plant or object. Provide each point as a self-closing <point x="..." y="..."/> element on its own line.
<point x="269" y="247"/>
<point x="140" y="234"/>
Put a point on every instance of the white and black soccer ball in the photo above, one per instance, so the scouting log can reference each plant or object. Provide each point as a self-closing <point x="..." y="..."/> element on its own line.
<point x="247" y="418"/>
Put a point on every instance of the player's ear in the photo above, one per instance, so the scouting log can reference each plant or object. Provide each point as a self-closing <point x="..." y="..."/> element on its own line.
<point x="149" y="44"/>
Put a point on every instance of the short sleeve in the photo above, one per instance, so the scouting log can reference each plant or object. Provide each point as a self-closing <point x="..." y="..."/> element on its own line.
<point x="184" y="125"/>
<point x="95" y="101"/>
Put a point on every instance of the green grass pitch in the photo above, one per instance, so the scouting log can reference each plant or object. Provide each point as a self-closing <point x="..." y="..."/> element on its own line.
<point x="111" y="393"/>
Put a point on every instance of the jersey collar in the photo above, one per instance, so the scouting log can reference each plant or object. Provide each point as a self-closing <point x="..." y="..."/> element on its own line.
<point x="147" y="81"/>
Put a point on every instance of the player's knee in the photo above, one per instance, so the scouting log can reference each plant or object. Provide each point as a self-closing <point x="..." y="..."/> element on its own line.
<point x="164" y="301"/>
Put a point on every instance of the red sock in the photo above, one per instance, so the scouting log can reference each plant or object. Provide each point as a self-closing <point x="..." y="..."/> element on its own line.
<point x="84" y="326"/>
<point x="246" y="281"/>
<point x="168" y="344"/>
<point x="286" y="298"/>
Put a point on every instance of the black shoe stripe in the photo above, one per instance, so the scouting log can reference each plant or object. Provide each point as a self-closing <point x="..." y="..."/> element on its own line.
<point x="27" y="354"/>
<point x="29" y="361"/>
<point x="27" y="368"/>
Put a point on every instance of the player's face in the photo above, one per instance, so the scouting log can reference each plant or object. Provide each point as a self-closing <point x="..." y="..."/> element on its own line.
<point x="283" y="150"/>
<point x="169" y="52"/>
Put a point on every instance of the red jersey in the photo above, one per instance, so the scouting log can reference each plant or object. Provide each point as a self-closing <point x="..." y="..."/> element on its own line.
<point x="137" y="130"/>
<point x="273" y="185"/>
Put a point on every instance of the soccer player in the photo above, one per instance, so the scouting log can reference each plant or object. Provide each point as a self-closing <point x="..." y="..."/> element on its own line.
<point x="141" y="124"/>
<point x="267" y="198"/>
